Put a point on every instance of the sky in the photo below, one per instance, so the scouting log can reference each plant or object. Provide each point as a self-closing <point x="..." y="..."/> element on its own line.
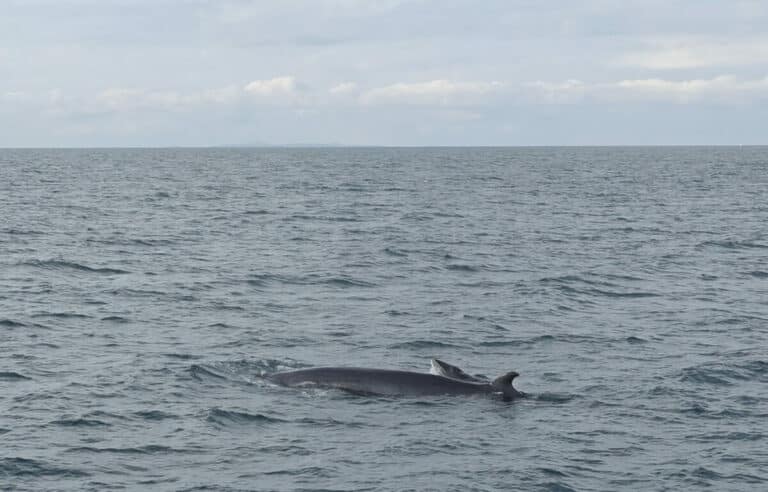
<point x="102" y="73"/>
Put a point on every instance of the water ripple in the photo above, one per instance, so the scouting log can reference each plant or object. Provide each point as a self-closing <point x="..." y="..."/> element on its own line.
<point x="227" y="418"/>
<point x="13" y="376"/>
<point x="23" y="467"/>
<point x="149" y="449"/>
<point x="70" y="265"/>
<point x="79" y="422"/>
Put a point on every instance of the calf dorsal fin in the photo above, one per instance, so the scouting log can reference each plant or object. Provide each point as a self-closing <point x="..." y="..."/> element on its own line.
<point x="440" y="368"/>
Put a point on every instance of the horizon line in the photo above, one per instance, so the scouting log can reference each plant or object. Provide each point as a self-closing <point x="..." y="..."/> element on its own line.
<point x="358" y="146"/>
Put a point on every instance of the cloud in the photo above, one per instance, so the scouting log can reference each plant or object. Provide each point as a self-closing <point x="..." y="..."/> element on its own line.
<point x="232" y="11"/>
<point x="278" y="86"/>
<point x="467" y="98"/>
<point x="721" y="89"/>
<point x="14" y="96"/>
<point x="131" y="99"/>
<point x="435" y="92"/>
<point x="55" y="96"/>
<point x="125" y="99"/>
<point x="671" y="54"/>
<point x="570" y="91"/>
<point x="343" y="88"/>
<point x="279" y="90"/>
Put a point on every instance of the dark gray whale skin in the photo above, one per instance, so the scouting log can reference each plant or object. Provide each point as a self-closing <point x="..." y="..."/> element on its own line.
<point x="394" y="383"/>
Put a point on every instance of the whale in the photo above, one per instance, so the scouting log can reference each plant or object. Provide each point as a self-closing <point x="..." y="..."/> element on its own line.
<point x="393" y="382"/>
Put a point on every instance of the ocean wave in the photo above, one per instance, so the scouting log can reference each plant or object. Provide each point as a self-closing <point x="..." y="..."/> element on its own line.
<point x="21" y="232"/>
<point x="347" y="282"/>
<point x="329" y="422"/>
<point x="13" y="376"/>
<point x="200" y="371"/>
<point x="323" y="218"/>
<point x="219" y="306"/>
<point x="181" y="356"/>
<point x="284" y="450"/>
<point x="598" y="286"/>
<point x="733" y="244"/>
<point x="79" y="422"/>
<point x="101" y="415"/>
<point x="422" y="344"/>
<point x="395" y="252"/>
<point x="636" y="340"/>
<point x="221" y="417"/>
<point x="70" y="265"/>
<point x="395" y="312"/>
<point x="608" y="293"/>
<point x="726" y="374"/>
<point x="268" y="366"/>
<point x="23" y="467"/>
<point x="144" y="242"/>
<point x="127" y="292"/>
<point x="711" y="475"/>
<point x="462" y="267"/>
<point x="148" y="449"/>
<point x="560" y="338"/>
<point x="151" y="242"/>
<point x="242" y="371"/>
<point x="154" y="415"/>
<point x="314" y="471"/>
<point x="222" y="325"/>
<point x="557" y="487"/>
<point x="552" y="472"/>
<point x="730" y="436"/>
<point x="61" y="315"/>
<point x="264" y="279"/>
<point x="568" y="279"/>
<point x="9" y="323"/>
<point x="47" y="345"/>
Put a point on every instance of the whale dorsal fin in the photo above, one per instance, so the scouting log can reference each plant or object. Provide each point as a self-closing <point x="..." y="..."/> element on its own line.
<point x="505" y="380"/>
<point x="503" y="384"/>
<point x="440" y="368"/>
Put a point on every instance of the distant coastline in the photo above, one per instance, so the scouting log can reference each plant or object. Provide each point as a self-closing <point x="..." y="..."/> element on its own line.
<point x="289" y="145"/>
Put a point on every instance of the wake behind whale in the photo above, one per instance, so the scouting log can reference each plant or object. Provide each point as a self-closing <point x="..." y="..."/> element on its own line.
<point x="444" y="379"/>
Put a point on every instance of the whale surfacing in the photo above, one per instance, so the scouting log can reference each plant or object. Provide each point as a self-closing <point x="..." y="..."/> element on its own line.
<point x="391" y="382"/>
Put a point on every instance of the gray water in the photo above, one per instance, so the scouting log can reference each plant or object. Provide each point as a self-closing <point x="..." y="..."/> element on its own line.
<point x="144" y="294"/>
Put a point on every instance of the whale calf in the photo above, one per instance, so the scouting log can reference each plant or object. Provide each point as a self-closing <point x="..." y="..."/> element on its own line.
<point x="390" y="382"/>
<point x="440" y="368"/>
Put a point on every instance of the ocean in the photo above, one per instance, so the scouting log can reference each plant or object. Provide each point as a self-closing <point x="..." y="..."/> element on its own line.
<point x="144" y="294"/>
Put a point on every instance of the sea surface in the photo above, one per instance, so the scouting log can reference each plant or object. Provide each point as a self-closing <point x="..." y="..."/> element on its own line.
<point x="144" y="294"/>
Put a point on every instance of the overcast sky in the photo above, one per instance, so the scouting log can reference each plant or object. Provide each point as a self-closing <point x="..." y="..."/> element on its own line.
<point x="387" y="72"/>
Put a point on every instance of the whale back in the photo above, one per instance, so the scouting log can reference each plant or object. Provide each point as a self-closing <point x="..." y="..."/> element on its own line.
<point x="393" y="382"/>
<point x="502" y="384"/>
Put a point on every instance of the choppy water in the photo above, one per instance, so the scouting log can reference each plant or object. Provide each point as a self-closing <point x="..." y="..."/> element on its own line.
<point x="143" y="293"/>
